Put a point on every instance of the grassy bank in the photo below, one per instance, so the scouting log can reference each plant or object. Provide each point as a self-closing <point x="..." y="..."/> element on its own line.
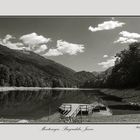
<point x="127" y="95"/>
<point x="130" y="118"/>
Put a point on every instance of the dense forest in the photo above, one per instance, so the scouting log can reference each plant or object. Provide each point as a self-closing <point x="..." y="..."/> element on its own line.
<point x="125" y="73"/>
<point x="24" y="68"/>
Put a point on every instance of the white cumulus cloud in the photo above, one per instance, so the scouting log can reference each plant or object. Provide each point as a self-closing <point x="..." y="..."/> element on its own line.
<point x="106" y="25"/>
<point x="39" y="44"/>
<point x="15" y="46"/>
<point x="69" y="48"/>
<point x="64" y="47"/>
<point x="7" y="38"/>
<point x="53" y="52"/>
<point x="41" y="48"/>
<point x="108" y="63"/>
<point x="34" y="42"/>
<point x="127" y="37"/>
<point x="124" y="40"/>
<point x="6" y="41"/>
<point x="34" y="39"/>
<point x="30" y="42"/>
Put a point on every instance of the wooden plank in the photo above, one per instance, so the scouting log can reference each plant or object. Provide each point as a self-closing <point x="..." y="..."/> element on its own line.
<point x="74" y="107"/>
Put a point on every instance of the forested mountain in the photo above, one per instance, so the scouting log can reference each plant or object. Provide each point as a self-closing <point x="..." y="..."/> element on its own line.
<point x="95" y="73"/>
<point x="125" y="73"/>
<point x="25" y="68"/>
<point x="83" y="76"/>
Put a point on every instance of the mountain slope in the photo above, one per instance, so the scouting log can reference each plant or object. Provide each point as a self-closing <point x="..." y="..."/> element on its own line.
<point x="29" y="69"/>
<point x="83" y="76"/>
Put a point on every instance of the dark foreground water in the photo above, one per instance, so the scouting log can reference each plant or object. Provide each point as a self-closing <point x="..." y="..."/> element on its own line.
<point x="43" y="103"/>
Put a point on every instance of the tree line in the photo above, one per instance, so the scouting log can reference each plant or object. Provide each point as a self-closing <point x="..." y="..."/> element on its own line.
<point x="18" y="79"/>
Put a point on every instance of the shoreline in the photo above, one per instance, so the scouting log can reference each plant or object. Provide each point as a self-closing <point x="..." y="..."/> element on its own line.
<point x="131" y="96"/>
<point x="41" y="88"/>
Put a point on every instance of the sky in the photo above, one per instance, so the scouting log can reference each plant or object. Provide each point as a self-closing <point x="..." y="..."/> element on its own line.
<point x="81" y="43"/>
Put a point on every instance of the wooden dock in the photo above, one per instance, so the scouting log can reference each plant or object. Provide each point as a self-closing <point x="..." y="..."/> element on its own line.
<point x="70" y="112"/>
<point x="72" y="109"/>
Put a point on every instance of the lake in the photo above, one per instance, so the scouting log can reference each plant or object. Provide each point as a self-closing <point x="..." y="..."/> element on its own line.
<point x="44" y="103"/>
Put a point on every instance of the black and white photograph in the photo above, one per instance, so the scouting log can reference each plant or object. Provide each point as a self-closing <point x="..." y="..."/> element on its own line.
<point x="69" y="69"/>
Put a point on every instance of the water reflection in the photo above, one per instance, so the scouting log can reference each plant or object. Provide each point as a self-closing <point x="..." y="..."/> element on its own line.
<point x="43" y="103"/>
<point x="36" y="104"/>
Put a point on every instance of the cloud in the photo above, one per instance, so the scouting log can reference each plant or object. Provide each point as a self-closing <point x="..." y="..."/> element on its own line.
<point x="129" y="35"/>
<point x="105" y="56"/>
<point x="39" y="44"/>
<point x="53" y="52"/>
<point x="34" y="42"/>
<point x="30" y="42"/>
<point x="15" y="46"/>
<point x="106" y="25"/>
<point x="7" y="38"/>
<point x="69" y="48"/>
<point x="64" y="47"/>
<point x="41" y="48"/>
<point x="124" y="40"/>
<point x="108" y="63"/>
<point x="7" y="42"/>
<point x="33" y="39"/>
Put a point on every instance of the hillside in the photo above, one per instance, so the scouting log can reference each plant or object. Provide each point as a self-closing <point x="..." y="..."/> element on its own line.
<point x="83" y="76"/>
<point x="95" y="73"/>
<point x="25" y="68"/>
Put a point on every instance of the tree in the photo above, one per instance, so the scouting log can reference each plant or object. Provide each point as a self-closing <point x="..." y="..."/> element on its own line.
<point x="126" y="72"/>
<point x="12" y="79"/>
<point x="20" y="79"/>
<point x="4" y="75"/>
<point x="57" y="83"/>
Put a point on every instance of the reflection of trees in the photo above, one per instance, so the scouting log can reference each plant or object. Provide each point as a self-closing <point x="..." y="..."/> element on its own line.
<point x="24" y="103"/>
<point x="36" y="104"/>
<point x="19" y="97"/>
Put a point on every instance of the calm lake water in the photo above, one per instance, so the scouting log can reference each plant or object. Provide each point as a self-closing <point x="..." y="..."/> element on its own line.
<point x="43" y="103"/>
